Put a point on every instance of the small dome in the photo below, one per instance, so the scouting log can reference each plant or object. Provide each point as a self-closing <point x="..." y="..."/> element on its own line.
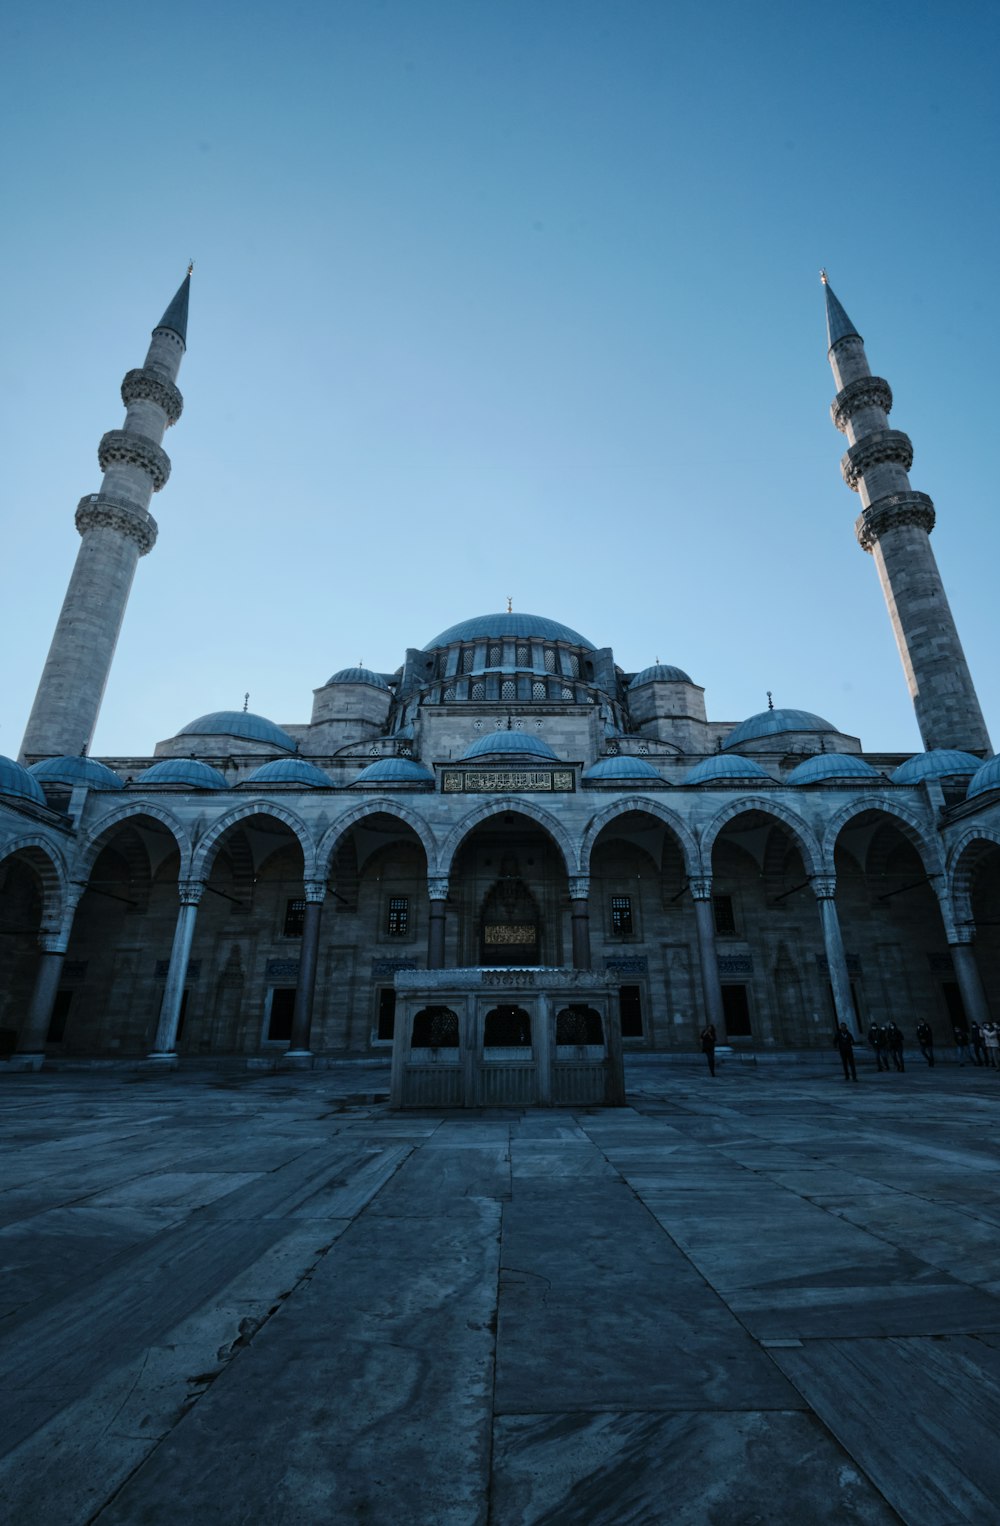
<point x="359" y="676"/>
<point x="986" y="777"/>
<point x="827" y="766"/>
<point x="290" y="771"/>
<point x="660" y="673"/>
<point x="394" y="771"/>
<point x="239" y="723"/>
<point x="73" y="771"/>
<point x="15" y="780"/>
<point x="772" y="723"/>
<point x="622" y="767"/>
<point x="510" y="744"/>
<point x="725" y="766"/>
<point x="189" y="772"/>
<point x="939" y="763"/>
<point x="511" y="627"/>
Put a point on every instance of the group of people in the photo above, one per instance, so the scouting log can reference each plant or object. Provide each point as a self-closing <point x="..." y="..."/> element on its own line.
<point x="981" y="1043"/>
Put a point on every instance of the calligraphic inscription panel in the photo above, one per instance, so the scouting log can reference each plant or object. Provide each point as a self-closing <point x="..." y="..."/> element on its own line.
<point x="459" y="781"/>
<point x="522" y="934"/>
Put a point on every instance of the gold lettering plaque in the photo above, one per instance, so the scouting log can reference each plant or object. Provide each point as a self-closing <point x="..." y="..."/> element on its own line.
<point x="460" y="781"/>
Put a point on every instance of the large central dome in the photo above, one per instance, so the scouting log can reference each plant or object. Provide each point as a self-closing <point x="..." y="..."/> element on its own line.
<point x="517" y="627"/>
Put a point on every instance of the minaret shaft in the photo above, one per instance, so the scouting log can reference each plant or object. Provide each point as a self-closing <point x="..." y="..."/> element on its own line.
<point x="116" y="529"/>
<point x="895" y="525"/>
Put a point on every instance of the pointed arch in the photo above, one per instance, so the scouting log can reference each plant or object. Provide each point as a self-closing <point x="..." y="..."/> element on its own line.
<point x="908" y="822"/>
<point x="100" y="833"/>
<point x="963" y="858"/>
<point x="207" y="847"/>
<point x="668" y="818"/>
<point x="330" y="843"/>
<point x="48" y="864"/>
<point x="509" y="805"/>
<point x="797" y="827"/>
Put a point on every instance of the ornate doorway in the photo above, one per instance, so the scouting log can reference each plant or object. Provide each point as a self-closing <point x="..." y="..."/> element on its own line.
<point x="510" y="922"/>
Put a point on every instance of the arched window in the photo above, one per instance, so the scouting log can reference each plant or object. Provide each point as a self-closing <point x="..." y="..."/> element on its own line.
<point x="507" y="1028"/>
<point x="435" y="1028"/>
<point x="579" y="1025"/>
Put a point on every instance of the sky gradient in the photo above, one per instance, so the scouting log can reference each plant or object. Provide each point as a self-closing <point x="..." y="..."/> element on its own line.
<point x="498" y="299"/>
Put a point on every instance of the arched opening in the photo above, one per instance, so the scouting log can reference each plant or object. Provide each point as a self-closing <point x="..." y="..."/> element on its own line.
<point x="507" y="1027"/>
<point x="435" y="1028"/>
<point x="898" y="959"/>
<point x="768" y="938"/>
<point x="509" y="894"/>
<point x="578" y="1025"/>
<point x="22" y="902"/>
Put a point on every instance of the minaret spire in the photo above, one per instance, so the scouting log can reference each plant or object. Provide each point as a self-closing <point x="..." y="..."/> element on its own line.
<point x="894" y="526"/>
<point x="116" y="529"/>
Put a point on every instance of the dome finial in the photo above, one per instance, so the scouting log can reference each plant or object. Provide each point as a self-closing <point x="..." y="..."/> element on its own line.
<point x="824" y="277"/>
<point x="510" y="605"/>
<point x="770" y="700"/>
<point x="246" y="702"/>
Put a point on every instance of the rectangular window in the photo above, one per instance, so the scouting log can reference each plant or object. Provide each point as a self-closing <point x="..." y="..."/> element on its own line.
<point x="57" y="1022"/>
<point x="630" y="1011"/>
<point x="279" y="1025"/>
<point x="736" y="1011"/>
<point x="397" y="919"/>
<point x="295" y="916"/>
<point x="621" y="916"/>
<point x="386" y="1013"/>
<point x="725" y="921"/>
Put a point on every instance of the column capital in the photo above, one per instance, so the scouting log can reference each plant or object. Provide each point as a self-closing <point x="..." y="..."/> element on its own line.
<point x="579" y="887"/>
<point x="315" y="891"/>
<point x="700" y="886"/>
<point x="53" y="940"/>
<point x="190" y="892"/>
<point x="824" y="886"/>
<point x="437" y="887"/>
<point x="963" y="934"/>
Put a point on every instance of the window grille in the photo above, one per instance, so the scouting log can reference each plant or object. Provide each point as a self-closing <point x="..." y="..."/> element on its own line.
<point x="449" y="694"/>
<point x="643" y="750"/>
<point x="567" y="693"/>
<point x="574" y="664"/>
<point x="479" y="691"/>
<point x="495" y="657"/>
<point x="621" y="916"/>
<point x="398" y="916"/>
<point x="725" y="921"/>
<point x="550" y="660"/>
<point x="538" y="689"/>
<point x="468" y="658"/>
<point x="508" y="689"/>
<point x="295" y="916"/>
<point x="523" y="658"/>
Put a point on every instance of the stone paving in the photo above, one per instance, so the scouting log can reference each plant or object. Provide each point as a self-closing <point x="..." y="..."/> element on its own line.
<point x="236" y="1298"/>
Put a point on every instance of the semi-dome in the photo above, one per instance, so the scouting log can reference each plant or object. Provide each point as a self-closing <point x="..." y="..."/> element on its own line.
<point x="359" y="676"/>
<point x="191" y="773"/>
<point x="510" y="744"/>
<point x="512" y="627"/>
<point x="239" y="723"/>
<point x="395" y="771"/>
<point x="939" y="763"/>
<point x="660" y="673"/>
<point x="17" y="781"/>
<point x="722" y="767"/>
<point x="71" y="771"/>
<point x="986" y="777"/>
<point x="772" y="723"/>
<point x="290" y="771"/>
<point x="827" y="766"/>
<point x="622" y="767"/>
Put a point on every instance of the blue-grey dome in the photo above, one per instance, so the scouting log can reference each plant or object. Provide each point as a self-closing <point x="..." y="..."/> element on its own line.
<point x="189" y="772"/>
<point x="724" y="766"/>
<point x="15" y="780"/>
<point x="290" y="771"/>
<point x="831" y="765"/>
<point x="394" y="771"/>
<point x="772" y="723"/>
<point x="359" y="676"/>
<point x="939" y="763"/>
<point x="239" y="723"/>
<point x="660" y="673"/>
<point x="622" y="767"/>
<point x="73" y="771"/>
<point x="512" y="627"/>
<point x="510" y="744"/>
<point x="986" y="777"/>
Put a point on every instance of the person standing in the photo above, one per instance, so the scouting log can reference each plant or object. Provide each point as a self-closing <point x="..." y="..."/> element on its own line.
<point x="877" y="1039"/>
<point x="894" y="1043"/>
<point x="708" y="1046"/>
<point x="925" y="1039"/>
<point x="991" y="1037"/>
<point x="845" y="1044"/>
<point x="978" y="1045"/>
<point x="962" y="1045"/>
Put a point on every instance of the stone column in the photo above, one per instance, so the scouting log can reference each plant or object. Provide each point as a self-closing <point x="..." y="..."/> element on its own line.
<point x="579" y="897"/>
<point x="970" y="982"/>
<point x="163" y="1051"/>
<point x="305" y="991"/>
<point x="701" y="894"/>
<point x="53" y="943"/>
<point x="824" y="888"/>
<point x="437" y="889"/>
<point x="543" y="1038"/>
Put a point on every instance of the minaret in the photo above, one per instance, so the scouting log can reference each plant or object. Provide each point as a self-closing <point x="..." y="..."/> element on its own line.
<point x="117" y="528"/>
<point x="895" y="525"/>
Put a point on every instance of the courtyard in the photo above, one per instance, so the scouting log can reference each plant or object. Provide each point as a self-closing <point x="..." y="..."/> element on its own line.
<point x="240" y="1297"/>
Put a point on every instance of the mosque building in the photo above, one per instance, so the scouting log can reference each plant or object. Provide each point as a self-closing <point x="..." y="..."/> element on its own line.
<point x="509" y="798"/>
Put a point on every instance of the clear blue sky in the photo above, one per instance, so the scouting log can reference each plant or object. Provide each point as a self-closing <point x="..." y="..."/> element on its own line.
<point x="498" y="298"/>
